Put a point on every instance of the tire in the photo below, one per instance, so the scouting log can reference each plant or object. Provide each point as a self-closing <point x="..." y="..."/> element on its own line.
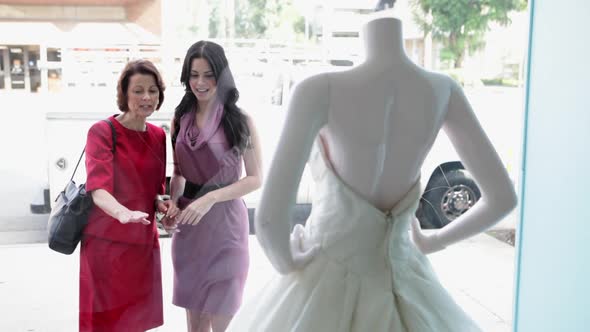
<point x="447" y="197"/>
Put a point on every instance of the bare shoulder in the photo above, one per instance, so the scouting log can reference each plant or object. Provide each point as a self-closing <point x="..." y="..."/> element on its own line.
<point x="249" y="118"/>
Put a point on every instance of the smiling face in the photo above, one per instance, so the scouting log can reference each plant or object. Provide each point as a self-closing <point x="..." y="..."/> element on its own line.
<point x="202" y="81"/>
<point x="142" y="95"/>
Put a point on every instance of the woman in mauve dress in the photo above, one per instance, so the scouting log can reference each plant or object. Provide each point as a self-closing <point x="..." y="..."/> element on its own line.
<point x="212" y="140"/>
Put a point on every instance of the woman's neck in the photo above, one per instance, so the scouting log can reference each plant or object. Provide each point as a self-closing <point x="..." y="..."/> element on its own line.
<point x="206" y="108"/>
<point x="205" y="112"/>
<point x="132" y="121"/>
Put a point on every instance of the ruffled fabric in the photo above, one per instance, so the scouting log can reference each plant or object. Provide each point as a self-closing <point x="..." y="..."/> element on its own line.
<point x="368" y="275"/>
<point x="195" y="137"/>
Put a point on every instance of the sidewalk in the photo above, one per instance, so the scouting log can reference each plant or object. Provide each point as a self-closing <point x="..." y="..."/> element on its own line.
<point x="39" y="288"/>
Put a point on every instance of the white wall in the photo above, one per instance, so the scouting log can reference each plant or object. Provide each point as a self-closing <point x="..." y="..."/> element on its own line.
<point x="553" y="273"/>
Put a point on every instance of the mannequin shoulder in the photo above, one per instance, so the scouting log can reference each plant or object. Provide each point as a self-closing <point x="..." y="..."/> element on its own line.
<point x="312" y="94"/>
<point x="440" y="80"/>
<point x="313" y="86"/>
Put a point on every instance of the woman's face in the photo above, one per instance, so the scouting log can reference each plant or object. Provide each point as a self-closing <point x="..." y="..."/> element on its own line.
<point x="143" y="95"/>
<point x="202" y="80"/>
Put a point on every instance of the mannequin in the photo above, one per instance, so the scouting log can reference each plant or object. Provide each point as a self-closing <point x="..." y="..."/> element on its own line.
<point x="377" y="140"/>
<point x="355" y="266"/>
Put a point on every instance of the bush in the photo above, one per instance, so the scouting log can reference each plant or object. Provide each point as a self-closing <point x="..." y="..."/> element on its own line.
<point x="500" y="81"/>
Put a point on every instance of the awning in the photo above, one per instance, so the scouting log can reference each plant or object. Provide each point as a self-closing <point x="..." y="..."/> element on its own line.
<point x="27" y="33"/>
<point x="83" y="34"/>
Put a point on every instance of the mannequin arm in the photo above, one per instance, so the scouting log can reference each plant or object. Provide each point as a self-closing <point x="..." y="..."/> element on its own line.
<point x="481" y="160"/>
<point x="307" y="113"/>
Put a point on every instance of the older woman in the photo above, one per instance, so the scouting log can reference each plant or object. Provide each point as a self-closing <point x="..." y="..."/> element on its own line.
<point x="120" y="274"/>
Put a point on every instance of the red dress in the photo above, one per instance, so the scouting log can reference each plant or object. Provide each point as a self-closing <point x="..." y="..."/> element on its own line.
<point x="120" y="271"/>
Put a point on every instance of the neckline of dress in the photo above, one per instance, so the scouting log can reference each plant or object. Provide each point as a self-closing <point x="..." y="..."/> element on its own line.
<point x="119" y="124"/>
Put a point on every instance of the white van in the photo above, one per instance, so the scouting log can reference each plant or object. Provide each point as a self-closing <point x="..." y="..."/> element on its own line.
<point x="450" y="189"/>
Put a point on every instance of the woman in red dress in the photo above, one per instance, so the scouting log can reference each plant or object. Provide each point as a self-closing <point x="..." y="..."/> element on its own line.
<point x="120" y="273"/>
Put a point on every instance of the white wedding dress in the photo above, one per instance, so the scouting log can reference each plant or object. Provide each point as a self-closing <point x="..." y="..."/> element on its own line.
<point x="368" y="275"/>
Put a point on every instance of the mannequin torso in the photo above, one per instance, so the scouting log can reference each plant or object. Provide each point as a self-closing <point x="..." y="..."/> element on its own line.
<point x="378" y="137"/>
<point x="379" y="121"/>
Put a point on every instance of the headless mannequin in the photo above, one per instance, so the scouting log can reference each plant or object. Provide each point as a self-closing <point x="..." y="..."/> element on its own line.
<point x="376" y="140"/>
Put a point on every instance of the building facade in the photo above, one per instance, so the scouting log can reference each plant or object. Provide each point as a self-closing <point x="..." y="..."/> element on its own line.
<point x="46" y="45"/>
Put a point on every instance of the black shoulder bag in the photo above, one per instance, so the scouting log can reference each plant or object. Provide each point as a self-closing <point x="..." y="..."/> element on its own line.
<point x="69" y="215"/>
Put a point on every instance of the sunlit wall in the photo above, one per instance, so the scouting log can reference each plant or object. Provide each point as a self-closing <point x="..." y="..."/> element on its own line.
<point x="553" y="288"/>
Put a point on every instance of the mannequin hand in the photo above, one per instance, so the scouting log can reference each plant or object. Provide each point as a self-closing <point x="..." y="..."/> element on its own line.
<point x="301" y="257"/>
<point x="193" y="213"/>
<point x="127" y="216"/>
<point x="274" y="239"/>
<point x="427" y="244"/>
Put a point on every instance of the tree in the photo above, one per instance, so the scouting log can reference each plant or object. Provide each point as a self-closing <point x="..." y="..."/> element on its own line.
<point x="250" y="18"/>
<point x="271" y="19"/>
<point x="214" y="20"/>
<point x="461" y="24"/>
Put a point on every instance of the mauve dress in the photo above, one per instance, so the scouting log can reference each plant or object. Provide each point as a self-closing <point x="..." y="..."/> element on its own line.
<point x="210" y="259"/>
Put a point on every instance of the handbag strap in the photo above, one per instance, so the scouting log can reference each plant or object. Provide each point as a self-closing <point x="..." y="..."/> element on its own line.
<point x="113" y="148"/>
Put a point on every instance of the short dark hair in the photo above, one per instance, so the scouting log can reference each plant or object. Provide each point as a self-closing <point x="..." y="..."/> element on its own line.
<point x="133" y="67"/>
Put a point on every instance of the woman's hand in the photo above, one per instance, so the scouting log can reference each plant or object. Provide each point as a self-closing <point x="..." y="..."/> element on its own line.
<point x="170" y="211"/>
<point x="127" y="216"/>
<point x="193" y="213"/>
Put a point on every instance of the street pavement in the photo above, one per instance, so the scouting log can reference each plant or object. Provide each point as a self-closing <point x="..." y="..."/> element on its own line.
<point x="39" y="287"/>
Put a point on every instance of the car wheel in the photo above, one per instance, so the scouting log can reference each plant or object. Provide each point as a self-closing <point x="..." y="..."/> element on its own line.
<point x="447" y="197"/>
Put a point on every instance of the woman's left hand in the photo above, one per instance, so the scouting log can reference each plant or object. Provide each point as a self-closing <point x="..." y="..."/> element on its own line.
<point x="193" y="213"/>
<point x="168" y="207"/>
<point x="170" y="211"/>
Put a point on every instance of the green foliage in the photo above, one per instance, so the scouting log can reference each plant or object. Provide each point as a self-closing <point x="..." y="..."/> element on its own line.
<point x="461" y="24"/>
<point x="299" y="25"/>
<point x="251" y="18"/>
<point x="273" y="19"/>
<point x="214" y="20"/>
<point x="500" y="81"/>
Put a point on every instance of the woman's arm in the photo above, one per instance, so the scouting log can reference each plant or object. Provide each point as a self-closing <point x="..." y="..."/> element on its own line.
<point x="252" y="181"/>
<point x="253" y="166"/>
<point x="107" y="203"/>
<point x="100" y="173"/>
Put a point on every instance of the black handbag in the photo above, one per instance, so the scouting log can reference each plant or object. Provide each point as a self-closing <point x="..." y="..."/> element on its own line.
<point x="69" y="215"/>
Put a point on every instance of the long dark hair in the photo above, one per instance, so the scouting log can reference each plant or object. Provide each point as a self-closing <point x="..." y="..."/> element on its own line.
<point x="234" y="121"/>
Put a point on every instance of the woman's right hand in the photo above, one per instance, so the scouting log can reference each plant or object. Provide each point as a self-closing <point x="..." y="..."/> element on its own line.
<point x="170" y="225"/>
<point x="127" y="216"/>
